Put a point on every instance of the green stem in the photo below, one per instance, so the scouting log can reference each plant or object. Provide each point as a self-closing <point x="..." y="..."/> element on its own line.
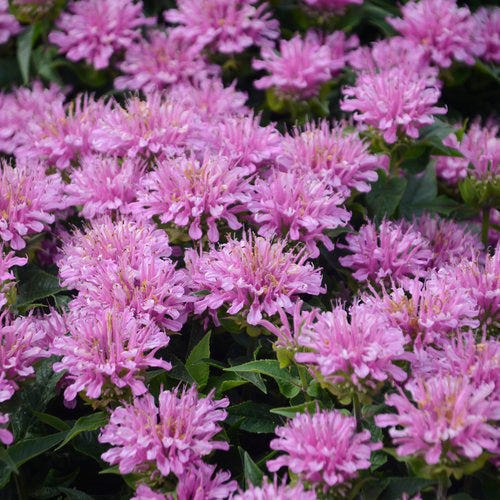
<point x="442" y="487"/>
<point x="356" y="408"/>
<point x="303" y="380"/>
<point x="485" y="225"/>
<point x="19" y="486"/>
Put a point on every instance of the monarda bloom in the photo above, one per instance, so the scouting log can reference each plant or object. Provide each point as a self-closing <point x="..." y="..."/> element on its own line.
<point x="448" y="420"/>
<point x="7" y="261"/>
<point x="196" y="194"/>
<point x="106" y="354"/>
<point x="488" y="33"/>
<point x="355" y="354"/>
<point x="298" y="207"/>
<point x="170" y="438"/>
<point x="395" y="101"/>
<point x="95" y="29"/>
<point x="226" y="26"/>
<point x="391" y="252"/>
<point x="6" y="436"/>
<point x="155" y="126"/>
<point x="443" y="29"/>
<point x="104" y="185"/>
<point x="272" y="490"/>
<point x="8" y="23"/>
<point x="162" y="60"/>
<point x="28" y="199"/>
<point x="323" y="448"/>
<point x="339" y="157"/>
<point x="299" y="69"/>
<point x="252" y="276"/>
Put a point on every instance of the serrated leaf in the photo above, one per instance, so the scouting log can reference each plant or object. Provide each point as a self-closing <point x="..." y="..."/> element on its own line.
<point x="251" y="471"/>
<point x="291" y="411"/>
<point x="253" y="417"/>
<point x="420" y="189"/>
<point x="198" y="369"/>
<point x="88" y="423"/>
<point x="52" y="420"/>
<point x="385" y="195"/>
<point x="270" y="367"/>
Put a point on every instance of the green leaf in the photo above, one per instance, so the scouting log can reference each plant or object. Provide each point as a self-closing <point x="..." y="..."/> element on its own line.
<point x="253" y="474"/>
<point x="420" y="189"/>
<point x="270" y="367"/>
<point x="73" y="494"/>
<point x="253" y="417"/>
<point x="441" y="205"/>
<point x="384" y="197"/>
<point x="88" y="444"/>
<point x="460" y="496"/>
<point x="25" y="42"/>
<point x="197" y="368"/>
<point x="23" y="451"/>
<point x="291" y="411"/>
<point x="88" y="423"/>
<point x="52" y="420"/>
<point x="409" y="485"/>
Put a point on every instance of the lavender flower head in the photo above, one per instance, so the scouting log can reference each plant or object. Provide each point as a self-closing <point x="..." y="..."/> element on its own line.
<point x="7" y="261"/>
<point x="488" y="32"/>
<point x="251" y="276"/>
<point x="272" y="490"/>
<point x="323" y="448"/>
<point x="95" y="29"/>
<point x="8" y="23"/>
<point x="170" y="437"/>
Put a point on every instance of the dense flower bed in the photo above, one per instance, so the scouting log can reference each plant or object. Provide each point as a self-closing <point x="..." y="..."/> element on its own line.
<point x="249" y="249"/>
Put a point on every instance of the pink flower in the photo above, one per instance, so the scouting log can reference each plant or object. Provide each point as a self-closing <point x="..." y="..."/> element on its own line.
<point x="107" y="353"/>
<point x="331" y="4"/>
<point x="95" y="29"/>
<point x="445" y="30"/>
<point x="223" y="25"/>
<point x="299" y="69"/>
<point x="252" y="276"/>
<point x="323" y="448"/>
<point x="274" y="491"/>
<point x="195" y="193"/>
<point x="359" y="351"/>
<point x="6" y="436"/>
<point x="155" y="126"/>
<point x="394" y="101"/>
<point x="487" y="32"/>
<point x="171" y="437"/>
<point x="298" y="207"/>
<point x="391" y="252"/>
<point x="162" y="60"/>
<point x="340" y="158"/>
<point x="144" y="492"/>
<point x="104" y="185"/>
<point x="446" y="420"/>
<point x="8" y="23"/>
<point x="28" y="198"/>
<point x="8" y="260"/>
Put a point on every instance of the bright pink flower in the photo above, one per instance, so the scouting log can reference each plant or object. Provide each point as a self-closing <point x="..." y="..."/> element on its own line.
<point x="144" y="492"/>
<point x="446" y="421"/>
<point x="391" y="252"/>
<point x="195" y="193"/>
<point x="104" y="185"/>
<point x="331" y="4"/>
<point x="252" y="276"/>
<point x="6" y="436"/>
<point x="8" y="23"/>
<point x="106" y="353"/>
<point x="359" y="351"/>
<point x="95" y="29"/>
<point x="224" y="25"/>
<point x="274" y="491"/>
<point x="162" y="60"/>
<point x="487" y="32"/>
<point x="339" y="46"/>
<point x="299" y="69"/>
<point x="8" y="260"/>
<point x="323" y="448"/>
<point x="340" y="158"/>
<point x="28" y="198"/>
<point x="445" y="30"/>
<point x="171" y="437"/>
<point x="154" y="126"/>
<point x="301" y="208"/>
<point x="480" y="147"/>
<point x="394" y="101"/>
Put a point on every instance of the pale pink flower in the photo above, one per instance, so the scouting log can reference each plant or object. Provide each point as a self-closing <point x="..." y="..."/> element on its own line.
<point x="323" y="448"/>
<point x="163" y="59"/>
<point x="104" y="185"/>
<point x="170" y="437"/>
<point x="9" y="25"/>
<point x="95" y="29"/>
<point x="487" y="32"/>
<point x="339" y="157"/>
<point x="443" y="29"/>
<point x="8" y="260"/>
<point x="391" y="252"/>
<point x="299" y="207"/>
<point x="154" y="126"/>
<point x="272" y="490"/>
<point x="226" y="26"/>
<point x="199" y="194"/>
<point x="6" y="436"/>
<point x="340" y="46"/>
<point x="251" y="276"/>
<point x="446" y="420"/>
<point x="360" y="351"/>
<point x="28" y="199"/>
<point x="331" y="4"/>
<point x="144" y="492"/>
<point x="394" y="101"/>
<point x="107" y="353"/>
